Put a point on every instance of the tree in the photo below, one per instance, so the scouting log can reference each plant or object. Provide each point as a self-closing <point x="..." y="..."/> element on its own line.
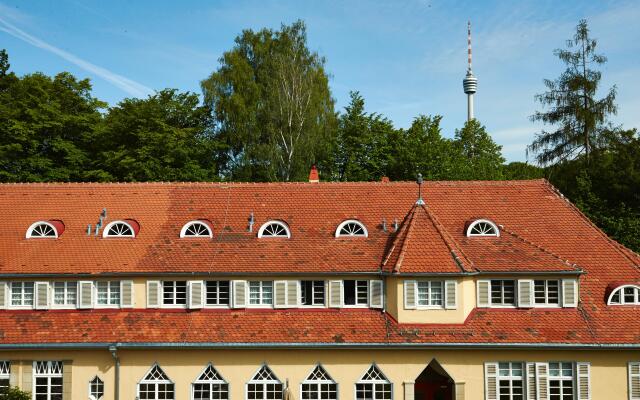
<point x="521" y="170"/>
<point x="272" y="106"/>
<point x="14" y="393"/>
<point x="479" y="156"/>
<point x="577" y="116"/>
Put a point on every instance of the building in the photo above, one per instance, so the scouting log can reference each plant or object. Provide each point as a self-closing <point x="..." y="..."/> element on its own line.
<point x="488" y="290"/>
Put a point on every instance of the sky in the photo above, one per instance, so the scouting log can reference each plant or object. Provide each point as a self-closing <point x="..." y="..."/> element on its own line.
<point x="406" y="57"/>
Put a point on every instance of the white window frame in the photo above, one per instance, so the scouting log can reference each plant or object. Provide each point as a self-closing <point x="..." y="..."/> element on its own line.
<point x="283" y="225"/>
<point x="620" y="289"/>
<point x="22" y="306"/>
<point x="261" y="292"/>
<point x="502" y="305"/>
<point x="156" y="382"/>
<point x="573" y="378"/>
<point x="365" y="233"/>
<point x="217" y="282"/>
<point x="546" y="303"/>
<point x="313" y="294"/>
<point x="32" y="227"/>
<point x="96" y="285"/>
<point x="510" y="378"/>
<point x="66" y="292"/>
<point x="49" y="374"/>
<point x="429" y="284"/>
<point x="318" y="382"/>
<point x="373" y="382"/>
<point x="174" y="305"/>
<point x="263" y="382"/>
<point x="357" y="304"/>
<point x="183" y="231"/>
<point x="5" y="373"/>
<point x="483" y="221"/>
<point x="220" y="381"/>
<point x="105" y="231"/>
<point x="91" y="395"/>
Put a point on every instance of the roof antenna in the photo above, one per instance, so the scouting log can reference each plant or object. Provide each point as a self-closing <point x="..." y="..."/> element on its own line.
<point x="420" y="202"/>
<point x="251" y="221"/>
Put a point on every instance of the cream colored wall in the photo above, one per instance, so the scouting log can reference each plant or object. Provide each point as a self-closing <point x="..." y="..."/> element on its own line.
<point x="608" y="368"/>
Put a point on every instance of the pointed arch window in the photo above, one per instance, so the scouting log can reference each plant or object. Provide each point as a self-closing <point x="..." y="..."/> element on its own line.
<point x="626" y="294"/>
<point x="482" y="227"/>
<point x="196" y="229"/>
<point x="42" y="230"/>
<point x="351" y="228"/>
<point x="156" y="385"/>
<point x="96" y="388"/>
<point x="373" y="385"/>
<point x="118" y="229"/>
<point x="264" y="386"/>
<point x="319" y="386"/>
<point x="210" y="385"/>
<point x="274" y="229"/>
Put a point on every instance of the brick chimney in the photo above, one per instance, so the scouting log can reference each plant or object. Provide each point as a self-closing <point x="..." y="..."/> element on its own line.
<point x="313" y="175"/>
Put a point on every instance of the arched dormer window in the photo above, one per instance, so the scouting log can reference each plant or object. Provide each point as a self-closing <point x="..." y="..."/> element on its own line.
<point x="351" y="228"/>
<point x="274" y="229"/>
<point x="196" y="229"/>
<point x="482" y="227"/>
<point x="625" y="294"/>
<point x="120" y="228"/>
<point x="45" y="230"/>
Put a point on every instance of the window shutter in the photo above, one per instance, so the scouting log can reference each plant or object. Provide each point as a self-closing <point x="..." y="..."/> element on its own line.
<point x="410" y="295"/>
<point x="239" y="294"/>
<point x="293" y="293"/>
<point x="583" y="377"/>
<point x="484" y="287"/>
<point x="542" y="381"/>
<point x="530" y="376"/>
<point x="569" y="293"/>
<point x="491" y="381"/>
<point x="153" y="294"/>
<point x="85" y="294"/>
<point x="375" y="294"/>
<point x="525" y="293"/>
<point x="335" y="293"/>
<point x="126" y="294"/>
<point x="3" y="295"/>
<point x="450" y="296"/>
<point x="42" y="295"/>
<point x="196" y="297"/>
<point x="634" y="381"/>
<point x="280" y="294"/>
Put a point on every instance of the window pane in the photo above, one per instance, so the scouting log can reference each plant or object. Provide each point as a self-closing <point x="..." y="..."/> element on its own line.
<point x="363" y="292"/>
<point x="349" y="289"/>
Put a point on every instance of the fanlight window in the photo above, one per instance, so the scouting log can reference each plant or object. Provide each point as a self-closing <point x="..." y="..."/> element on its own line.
<point x="373" y="386"/>
<point x="351" y="227"/>
<point x="42" y="229"/>
<point x="118" y="229"/>
<point x="156" y="385"/>
<point x="483" y="227"/>
<point x="196" y="229"/>
<point x="210" y="386"/>
<point x="275" y="229"/>
<point x="319" y="385"/>
<point x="264" y="385"/>
<point x="627" y="294"/>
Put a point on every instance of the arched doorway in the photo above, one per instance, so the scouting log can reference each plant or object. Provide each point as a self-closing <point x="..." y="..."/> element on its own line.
<point x="434" y="383"/>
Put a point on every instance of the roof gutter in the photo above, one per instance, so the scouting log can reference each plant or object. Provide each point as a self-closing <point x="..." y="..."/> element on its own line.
<point x="186" y="273"/>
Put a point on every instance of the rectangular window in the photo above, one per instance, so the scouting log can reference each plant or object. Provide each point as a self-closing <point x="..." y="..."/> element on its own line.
<point x="5" y="373"/>
<point x="561" y="386"/>
<point x="22" y="294"/>
<point x="218" y="293"/>
<point x="108" y="293"/>
<point x="547" y="292"/>
<point x="319" y="391"/>
<point x="210" y="391"/>
<point x="503" y="292"/>
<point x="65" y="294"/>
<point x="174" y="293"/>
<point x="312" y="293"/>
<point x="373" y="391"/>
<point x="264" y="391"/>
<point x="261" y="293"/>
<point x="510" y="383"/>
<point x="355" y="293"/>
<point x="47" y="380"/>
<point x="429" y="293"/>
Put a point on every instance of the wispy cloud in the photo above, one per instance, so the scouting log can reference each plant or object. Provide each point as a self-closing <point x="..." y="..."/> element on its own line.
<point x="129" y="86"/>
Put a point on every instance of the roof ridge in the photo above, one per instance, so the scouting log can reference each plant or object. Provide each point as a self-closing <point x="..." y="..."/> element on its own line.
<point x="539" y="247"/>
<point x="444" y="234"/>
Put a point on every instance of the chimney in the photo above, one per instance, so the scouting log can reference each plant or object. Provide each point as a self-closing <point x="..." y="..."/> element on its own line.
<point x="313" y="175"/>
<point x="385" y="179"/>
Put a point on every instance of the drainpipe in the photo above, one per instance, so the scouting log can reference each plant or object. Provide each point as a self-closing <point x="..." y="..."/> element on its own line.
<point x="116" y="387"/>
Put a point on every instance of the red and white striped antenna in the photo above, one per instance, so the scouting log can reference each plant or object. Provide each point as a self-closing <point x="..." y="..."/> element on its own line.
<point x="469" y="42"/>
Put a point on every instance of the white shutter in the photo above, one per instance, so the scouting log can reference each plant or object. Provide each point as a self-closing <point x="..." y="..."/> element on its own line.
<point x="530" y="376"/>
<point x="491" y="381"/>
<point x="335" y="293"/>
<point x="196" y="294"/>
<point x="450" y="295"/>
<point x="280" y="294"/>
<point x="569" y="293"/>
<point x="525" y="293"/>
<point x="375" y="294"/>
<point x="542" y="381"/>
<point x="410" y="288"/>
<point x="293" y="293"/>
<point x="484" y="291"/>
<point x="153" y="294"/>
<point x="85" y="294"/>
<point x="634" y="381"/>
<point x="126" y="294"/>
<point x="3" y="295"/>
<point x="583" y="377"/>
<point x="239" y="294"/>
<point x="42" y="295"/>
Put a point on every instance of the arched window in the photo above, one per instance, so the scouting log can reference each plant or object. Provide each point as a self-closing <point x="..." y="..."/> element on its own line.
<point x="156" y="385"/>
<point x="96" y="388"/>
<point x="351" y="227"/>
<point x="482" y="227"/>
<point x="210" y="386"/>
<point x="373" y="385"/>
<point x="276" y="229"/>
<point x="196" y="229"/>
<point x="42" y="230"/>
<point x="264" y="385"/>
<point x="626" y="294"/>
<point x="319" y="385"/>
<point x="118" y="229"/>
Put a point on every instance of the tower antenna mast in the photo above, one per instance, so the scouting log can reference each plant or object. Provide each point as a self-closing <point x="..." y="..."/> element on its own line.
<point x="470" y="82"/>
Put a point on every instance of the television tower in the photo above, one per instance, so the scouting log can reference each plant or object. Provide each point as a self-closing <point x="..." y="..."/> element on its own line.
<point x="470" y="82"/>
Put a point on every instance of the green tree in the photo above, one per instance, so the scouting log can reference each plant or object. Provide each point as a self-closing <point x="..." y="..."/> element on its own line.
<point x="14" y="393"/>
<point x="479" y="156"/>
<point x="272" y="106"/>
<point x="521" y="170"/>
<point x="578" y="117"/>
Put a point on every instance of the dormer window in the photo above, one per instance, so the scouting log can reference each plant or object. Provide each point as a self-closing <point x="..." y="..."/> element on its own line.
<point x="122" y="229"/>
<point x="626" y="294"/>
<point x="196" y="229"/>
<point x="42" y="230"/>
<point x="274" y="229"/>
<point x="351" y="228"/>
<point x="482" y="227"/>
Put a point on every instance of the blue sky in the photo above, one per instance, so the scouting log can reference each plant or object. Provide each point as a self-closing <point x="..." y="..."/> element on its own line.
<point x="406" y="57"/>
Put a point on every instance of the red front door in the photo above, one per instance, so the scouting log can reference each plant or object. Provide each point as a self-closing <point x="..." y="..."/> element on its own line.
<point x="433" y="391"/>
